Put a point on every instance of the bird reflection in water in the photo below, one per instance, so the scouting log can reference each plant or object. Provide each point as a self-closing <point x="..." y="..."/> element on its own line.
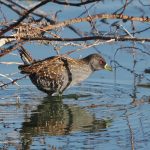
<point x="53" y="118"/>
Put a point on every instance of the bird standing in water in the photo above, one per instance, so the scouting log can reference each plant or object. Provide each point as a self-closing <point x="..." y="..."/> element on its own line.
<point x="55" y="74"/>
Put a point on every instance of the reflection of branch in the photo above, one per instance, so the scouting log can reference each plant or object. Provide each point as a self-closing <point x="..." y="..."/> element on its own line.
<point x="130" y="131"/>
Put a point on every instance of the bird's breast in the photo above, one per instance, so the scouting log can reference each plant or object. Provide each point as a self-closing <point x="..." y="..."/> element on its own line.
<point x="79" y="73"/>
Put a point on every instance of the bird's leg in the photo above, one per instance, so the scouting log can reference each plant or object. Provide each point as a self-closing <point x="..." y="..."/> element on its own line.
<point x="60" y="96"/>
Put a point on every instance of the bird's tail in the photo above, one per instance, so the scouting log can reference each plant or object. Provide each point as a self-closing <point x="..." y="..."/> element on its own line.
<point x="25" y="56"/>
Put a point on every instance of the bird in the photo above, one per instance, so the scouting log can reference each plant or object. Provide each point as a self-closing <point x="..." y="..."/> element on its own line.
<point x="55" y="74"/>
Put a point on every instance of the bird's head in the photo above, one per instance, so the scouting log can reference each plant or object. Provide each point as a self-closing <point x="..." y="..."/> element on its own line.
<point x="97" y="62"/>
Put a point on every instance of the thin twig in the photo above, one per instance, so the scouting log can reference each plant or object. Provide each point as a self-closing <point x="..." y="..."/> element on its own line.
<point x="23" y="17"/>
<point x="12" y="81"/>
<point x="11" y="63"/>
<point x="130" y="131"/>
<point x="7" y="40"/>
<point x="94" y="17"/>
<point x="76" y="4"/>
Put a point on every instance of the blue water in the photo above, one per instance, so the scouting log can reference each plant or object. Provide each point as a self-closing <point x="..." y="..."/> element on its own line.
<point x="98" y="115"/>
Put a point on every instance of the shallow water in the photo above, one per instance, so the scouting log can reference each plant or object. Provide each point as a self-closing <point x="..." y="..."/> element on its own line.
<point x="93" y="115"/>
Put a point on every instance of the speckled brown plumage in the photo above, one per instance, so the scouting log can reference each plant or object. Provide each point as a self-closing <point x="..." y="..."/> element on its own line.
<point x="54" y="74"/>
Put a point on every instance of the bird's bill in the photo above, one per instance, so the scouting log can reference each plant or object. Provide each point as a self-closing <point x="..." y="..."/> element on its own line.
<point x="107" y="67"/>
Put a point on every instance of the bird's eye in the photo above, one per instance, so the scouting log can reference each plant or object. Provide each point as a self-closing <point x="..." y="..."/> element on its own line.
<point x="101" y="62"/>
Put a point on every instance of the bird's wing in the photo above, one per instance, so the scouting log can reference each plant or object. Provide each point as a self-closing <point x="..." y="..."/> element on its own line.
<point x="54" y="76"/>
<point x="57" y="71"/>
<point x="37" y="66"/>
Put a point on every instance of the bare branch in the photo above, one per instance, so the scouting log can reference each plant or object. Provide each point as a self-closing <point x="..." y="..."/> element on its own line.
<point x="23" y="17"/>
<point x="103" y="38"/>
<point x="93" y="17"/>
<point x="7" y="40"/>
<point x="12" y="81"/>
<point x="11" y="7"/>
<point x="76" y="4"/>
<point x="10" y="49"/>
<point x="11" y="63"/>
